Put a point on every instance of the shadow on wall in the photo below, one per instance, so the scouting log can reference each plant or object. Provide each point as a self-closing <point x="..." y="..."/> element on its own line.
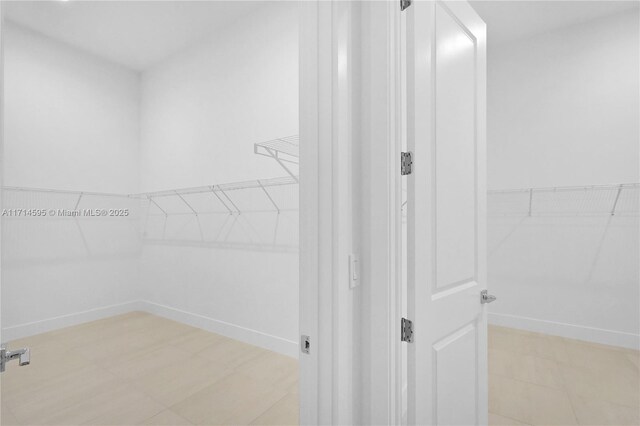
<point x="51" y="227"/>
<point x="258" y="215"/>
<point x="261" y="231"/>
<point x="48" y="227"/>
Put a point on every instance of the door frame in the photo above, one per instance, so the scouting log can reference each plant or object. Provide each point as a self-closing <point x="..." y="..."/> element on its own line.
<point x="1" y="150"/>
<point x="350" y="196"/>
<point x="326" y="213"/>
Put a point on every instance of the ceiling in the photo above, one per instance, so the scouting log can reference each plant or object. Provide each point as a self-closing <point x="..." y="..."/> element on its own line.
<point x="510" y="20"/>
<point x="136" y="34"/>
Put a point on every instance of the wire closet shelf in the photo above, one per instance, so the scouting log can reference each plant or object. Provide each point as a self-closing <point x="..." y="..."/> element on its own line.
<point x="285" y="151"/>
<point x="593" y="200"/>
<point x="568" y="201"/>
<point x="260" y="195"/>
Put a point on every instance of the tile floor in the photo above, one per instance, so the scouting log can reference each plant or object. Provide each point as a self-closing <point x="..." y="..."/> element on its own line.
<point x="538" y="379"/>
<point x="142" y="369"/>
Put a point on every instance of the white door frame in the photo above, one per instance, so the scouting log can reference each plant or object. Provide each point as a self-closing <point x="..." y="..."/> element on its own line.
<point x="326" y="232"/>
<point x="1" y="147"/>
<point x="350" y="196"/>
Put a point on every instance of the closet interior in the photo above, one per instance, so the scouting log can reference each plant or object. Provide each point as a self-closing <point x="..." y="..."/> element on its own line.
<point x="150" y="212"/>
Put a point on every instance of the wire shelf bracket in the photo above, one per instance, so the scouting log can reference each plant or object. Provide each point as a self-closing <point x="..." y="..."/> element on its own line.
<point x="269" y="196"/>
<point x="213" y="190"/>
<point x="158" y="206"/>
<point x="283" y="150"/>
<point x="186" y="203"/>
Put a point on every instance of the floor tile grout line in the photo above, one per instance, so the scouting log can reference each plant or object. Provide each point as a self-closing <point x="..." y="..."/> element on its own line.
<point x="510" y="418"/>
<point x="144" y="422"/>
<point x="272" y="405"/>
<point x="528" y="383"/>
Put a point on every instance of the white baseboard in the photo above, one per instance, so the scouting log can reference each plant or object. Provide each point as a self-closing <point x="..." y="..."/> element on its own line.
<point x="243" y="334"/>
<point x="233" y="331"/>
<point x="589" y="334"/>
<point x="36" y="327"/>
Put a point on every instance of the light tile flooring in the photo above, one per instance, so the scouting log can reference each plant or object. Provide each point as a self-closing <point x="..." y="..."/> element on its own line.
<point x="538" y="379"/>
<point x="142" y="369"/>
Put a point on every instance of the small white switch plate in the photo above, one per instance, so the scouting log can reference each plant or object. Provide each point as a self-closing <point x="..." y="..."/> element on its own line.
<point x="354" y="271"/>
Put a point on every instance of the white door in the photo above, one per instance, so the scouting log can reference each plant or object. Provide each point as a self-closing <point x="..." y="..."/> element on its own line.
<point x="447" y="360"/>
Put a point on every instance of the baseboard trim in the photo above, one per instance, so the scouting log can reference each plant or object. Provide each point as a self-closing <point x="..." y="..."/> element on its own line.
<point x="42" y="326"/>
<point x="233" y="331"/>
<point x="571" y="331"/>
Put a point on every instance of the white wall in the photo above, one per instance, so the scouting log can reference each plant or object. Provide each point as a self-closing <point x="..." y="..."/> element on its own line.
<point x="202" y="111"/>
<point x="71" y="122"/>
<point x="205" y="108"/>
<point x="563" y="106"/>
<point x="563" y="109"/>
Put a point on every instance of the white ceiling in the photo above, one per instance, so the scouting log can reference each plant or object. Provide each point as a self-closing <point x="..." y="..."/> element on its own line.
<point x="136" y="34"/>
<point x="511" y="20"/>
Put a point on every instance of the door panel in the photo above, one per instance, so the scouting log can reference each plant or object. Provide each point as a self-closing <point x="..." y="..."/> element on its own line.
<point x="447" y="372"/>
<point x="454" y="370"/>
<point x="455" y="151"/>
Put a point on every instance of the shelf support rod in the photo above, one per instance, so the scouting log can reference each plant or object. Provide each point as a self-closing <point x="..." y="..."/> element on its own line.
<point x="275" y="157"/>
<point x="228" y="198"/>
<point x="615" y="203"/>
<point x="530" y="200"/>
<point x="185" y="201"/>
<point x="213" y="190"/>
<point x="269" y="197"/>
<point x="158" y="206"/>
<point x="78" y="202"/>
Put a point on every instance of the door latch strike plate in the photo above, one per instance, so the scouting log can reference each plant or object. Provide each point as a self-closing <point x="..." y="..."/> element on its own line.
<point x="406" y="163"/>
<point x="305" y="344"/>
<point x="406" y="330"/>
<point x="354" y="271"/>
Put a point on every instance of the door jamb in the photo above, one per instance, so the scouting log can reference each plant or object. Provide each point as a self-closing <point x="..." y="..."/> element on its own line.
<point x="397" y="76"/>
<point x="326" y="230"/>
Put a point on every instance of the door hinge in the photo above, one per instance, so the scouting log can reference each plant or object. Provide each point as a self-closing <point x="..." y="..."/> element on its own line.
<point x="406" y="163"/>
<point x="406" y="330"/>
<point x="404" y="4"/>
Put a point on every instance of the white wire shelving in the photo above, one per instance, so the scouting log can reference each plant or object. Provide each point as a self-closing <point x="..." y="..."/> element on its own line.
<point x="592" y="200"/>
<point x="52" y="199"/>
<point x="258" y="214"/>
<point x="262" y="195"/>
<point x="231" y="197"/>
<point x="285" y="151"/>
